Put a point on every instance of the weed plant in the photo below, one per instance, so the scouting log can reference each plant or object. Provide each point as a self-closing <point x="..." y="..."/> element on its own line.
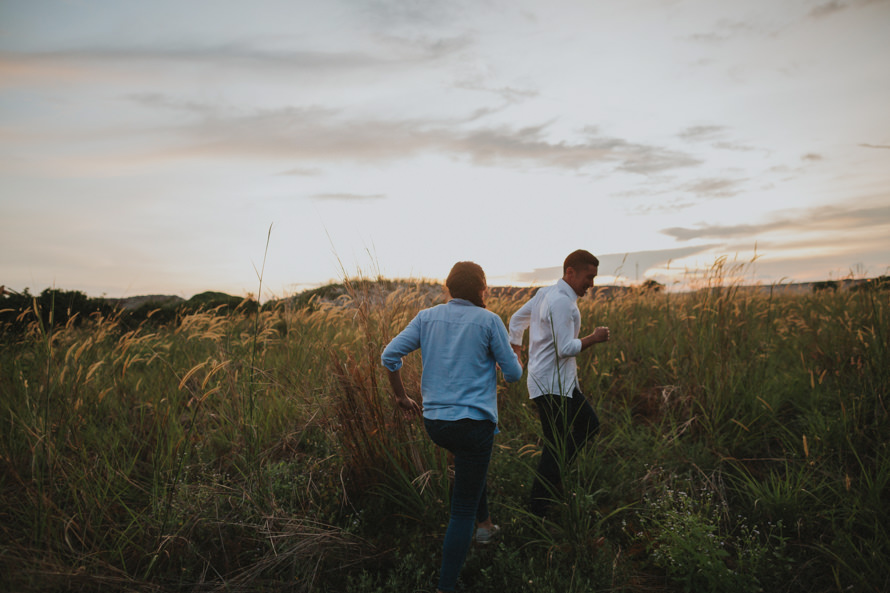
<point x="744" y="447"/>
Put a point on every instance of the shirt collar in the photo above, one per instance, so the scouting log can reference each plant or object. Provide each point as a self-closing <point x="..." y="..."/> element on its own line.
<point x="463" y="302"/>
<point x="566" y="289"/>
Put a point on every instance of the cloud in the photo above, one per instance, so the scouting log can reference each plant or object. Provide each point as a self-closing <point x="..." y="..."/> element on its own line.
<point x="829" y="217"/>
<point x="832" y="7"/>
<point x="429" y="48"/>
<point x="733" y="146"/>
<point x="702" y="133"/>
<point x="302" y="172"/>
<point x="123" y="65"/>
<point x="708" y="188"/>
<point x="431" y="13"/>
<point x="818" y="257"/>
<point x="645" y="160"/>
<point x="713" y="134"/>
<point x="725" y="30"/>
<point x="508" y="95"/>
<point x="828" y="8"/>
<point x="670" y="206"/>
<point x="623" y="264"/>
<point x="528" y="146"/>
<point x="320" y="134"/>
<point x="811" y="156"/>
<point x="843" y="219"/>
<point x="718" y="231"/>
<point x="618" y="264"/>
<point x="346" y="197"/>
<point x="229" y="55"/>
<point x="310" y="135"/>
<point x="388" y="53"/>
<point x="874" y="146"/>
<point x="714" y="187"/>
<point x="161" y="101"/>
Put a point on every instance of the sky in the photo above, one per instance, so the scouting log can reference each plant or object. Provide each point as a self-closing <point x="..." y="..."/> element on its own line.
<point x="173" y="147"/>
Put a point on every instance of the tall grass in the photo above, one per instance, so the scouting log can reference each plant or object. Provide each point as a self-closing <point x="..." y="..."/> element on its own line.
<point x="743" y="446"/>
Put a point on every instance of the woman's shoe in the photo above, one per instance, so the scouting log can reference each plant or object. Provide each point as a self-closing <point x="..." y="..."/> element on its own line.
<point x="485" y="535"/>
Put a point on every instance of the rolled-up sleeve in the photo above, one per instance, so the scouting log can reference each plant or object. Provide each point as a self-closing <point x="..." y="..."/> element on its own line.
<point x="405" y="343"/>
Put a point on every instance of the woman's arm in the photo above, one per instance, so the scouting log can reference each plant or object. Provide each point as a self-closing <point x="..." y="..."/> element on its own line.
<point x="407" y="341"/>
<point x="504" y="352"/>
<point x="402" y="399"/>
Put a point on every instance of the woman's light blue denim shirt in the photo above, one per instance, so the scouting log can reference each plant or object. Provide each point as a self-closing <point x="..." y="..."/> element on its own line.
<point x="460" y="344"/>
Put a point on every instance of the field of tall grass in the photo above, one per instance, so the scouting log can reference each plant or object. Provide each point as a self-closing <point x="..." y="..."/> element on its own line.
<point x="745" y="446"/>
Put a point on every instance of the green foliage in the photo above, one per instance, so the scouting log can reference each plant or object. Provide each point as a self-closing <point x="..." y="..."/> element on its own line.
<point x="689" y="540"/>
<point x="53" y="307"/>
<point x="826" y="285"/>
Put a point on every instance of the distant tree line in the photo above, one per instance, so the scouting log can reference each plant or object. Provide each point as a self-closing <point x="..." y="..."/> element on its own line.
<point x="59" y="308"/>
<point x="879" y="283"/>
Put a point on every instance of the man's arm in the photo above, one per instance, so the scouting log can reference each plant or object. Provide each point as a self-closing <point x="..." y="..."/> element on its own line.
<point x="600" y="334"/>
<point x="519" y="322"/>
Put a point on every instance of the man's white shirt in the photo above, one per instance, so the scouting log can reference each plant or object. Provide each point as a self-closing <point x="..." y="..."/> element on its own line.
<point x="553" y="321"/>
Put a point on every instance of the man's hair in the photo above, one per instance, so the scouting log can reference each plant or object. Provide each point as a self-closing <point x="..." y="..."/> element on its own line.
<point x="579" y="258"/>
<point x="465" y="281"/>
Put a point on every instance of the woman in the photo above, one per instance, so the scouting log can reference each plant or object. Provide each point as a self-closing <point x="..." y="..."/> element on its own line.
<point x="461" y="344"/>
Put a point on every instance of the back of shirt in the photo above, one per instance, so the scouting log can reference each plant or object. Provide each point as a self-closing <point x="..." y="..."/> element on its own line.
<point x="460" y="344"/>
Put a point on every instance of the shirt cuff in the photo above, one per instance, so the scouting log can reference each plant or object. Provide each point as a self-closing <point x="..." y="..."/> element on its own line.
<point x="576" y="346"/>
<point x="392" y="365"/>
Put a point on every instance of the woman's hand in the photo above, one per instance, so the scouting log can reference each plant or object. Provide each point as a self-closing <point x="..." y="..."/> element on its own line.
<point x="409" y="405"/>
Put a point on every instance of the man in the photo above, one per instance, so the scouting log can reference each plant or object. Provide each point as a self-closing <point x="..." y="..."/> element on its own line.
<point x="554" y="323"/>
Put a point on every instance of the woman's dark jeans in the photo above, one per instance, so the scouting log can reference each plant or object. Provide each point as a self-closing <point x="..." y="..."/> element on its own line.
<point x="470" y="441"/>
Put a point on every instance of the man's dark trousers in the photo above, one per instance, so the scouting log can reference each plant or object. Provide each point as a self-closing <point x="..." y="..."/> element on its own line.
<point x="567" y="424"/>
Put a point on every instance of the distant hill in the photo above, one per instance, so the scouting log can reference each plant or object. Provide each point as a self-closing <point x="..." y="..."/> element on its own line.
<point x="881" y="282"/>
<point x="135" y="302"/>
<point x="208" y="299"/>
<point x="378" y="288"/>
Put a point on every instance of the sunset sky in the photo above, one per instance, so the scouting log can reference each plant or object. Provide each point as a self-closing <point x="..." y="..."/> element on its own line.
<point x="147" y="147"/>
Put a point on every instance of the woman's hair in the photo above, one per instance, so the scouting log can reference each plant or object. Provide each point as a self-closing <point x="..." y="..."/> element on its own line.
<point x="465" y="281"/>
